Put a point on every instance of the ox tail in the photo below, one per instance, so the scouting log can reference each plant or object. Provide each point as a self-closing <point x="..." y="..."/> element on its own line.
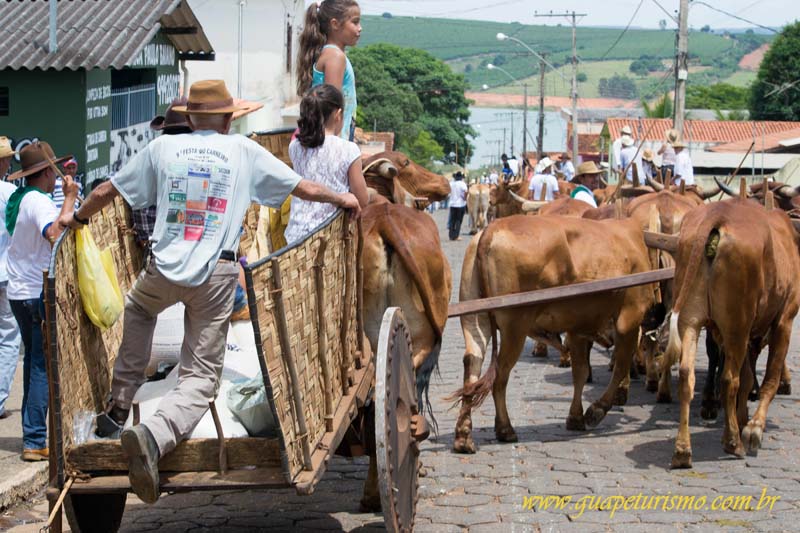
<point x="435" y="312"/>
<point x="476" y="392"/>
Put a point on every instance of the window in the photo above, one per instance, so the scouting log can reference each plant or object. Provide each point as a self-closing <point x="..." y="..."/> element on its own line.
<point x="3" y="101"/>
<point x="132" y="105"/>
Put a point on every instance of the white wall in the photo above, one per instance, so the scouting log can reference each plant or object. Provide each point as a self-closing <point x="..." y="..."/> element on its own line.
<point x="264" y="76"/>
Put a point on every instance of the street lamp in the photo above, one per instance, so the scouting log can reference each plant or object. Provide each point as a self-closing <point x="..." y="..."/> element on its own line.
<point x="490" y="66"/>
<point x="503" y="37"/>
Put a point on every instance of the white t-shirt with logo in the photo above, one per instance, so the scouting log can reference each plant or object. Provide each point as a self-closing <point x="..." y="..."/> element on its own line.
<point x="202" y="184"/>
<point x="537" y="181"/>
<point x="29" y="251"/>
<point x="6" y="189"/>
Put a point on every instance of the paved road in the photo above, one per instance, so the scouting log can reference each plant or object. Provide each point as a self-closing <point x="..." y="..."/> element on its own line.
<point x="628" y="454"/>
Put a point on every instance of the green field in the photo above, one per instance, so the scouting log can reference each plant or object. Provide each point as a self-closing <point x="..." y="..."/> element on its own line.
<point x="474" y="43"/>
<point x="741" y="78"/>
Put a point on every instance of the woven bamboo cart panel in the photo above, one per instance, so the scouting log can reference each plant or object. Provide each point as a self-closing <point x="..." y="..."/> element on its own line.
<point x="296" y="266"/>
<point x="86" y="354"/>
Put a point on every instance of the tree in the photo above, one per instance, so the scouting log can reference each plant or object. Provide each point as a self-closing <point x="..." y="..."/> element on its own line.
<point x="410" y="91"/>
<point x="662" y="109"/>
<point x="468" y="68"/>
<point x="499" y="60"/>
<point x="423" y="149"/>
<point x="617" y="86"/>
<point x="717" y="96"/>
<point x="581" y="77"/>
<point x="706" y="29"/>
<point x="386" y="15"/>
<point x="774" y="94"/>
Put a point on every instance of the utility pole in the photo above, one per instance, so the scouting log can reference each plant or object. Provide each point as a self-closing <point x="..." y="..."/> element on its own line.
<point x="574" y="19"/>
<point x="525" y="121"/>
<point x="512" y="134"/>
<point x="681" y="67"/>
<point x="540" y="140"/>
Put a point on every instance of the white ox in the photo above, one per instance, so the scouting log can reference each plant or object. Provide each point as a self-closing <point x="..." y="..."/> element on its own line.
<point x="477" y="207"/>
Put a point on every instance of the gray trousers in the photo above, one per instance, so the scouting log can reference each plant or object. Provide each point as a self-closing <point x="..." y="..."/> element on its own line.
<point x="206" y="319"/>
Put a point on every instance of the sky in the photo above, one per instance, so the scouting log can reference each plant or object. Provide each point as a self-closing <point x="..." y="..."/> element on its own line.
<point x="772" y="13"/>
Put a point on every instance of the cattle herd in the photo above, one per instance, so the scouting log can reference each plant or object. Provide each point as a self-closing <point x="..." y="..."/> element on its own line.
<point x="735" y="261"/>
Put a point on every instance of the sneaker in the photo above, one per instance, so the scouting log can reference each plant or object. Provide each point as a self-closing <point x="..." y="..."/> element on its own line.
<point x="32" y="455"/>
<point x="110" y="424"/>
<point x="142" y="450"/>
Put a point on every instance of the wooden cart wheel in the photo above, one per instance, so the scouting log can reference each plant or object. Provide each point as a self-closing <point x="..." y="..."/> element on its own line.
<point x="395" y="409"/>
<point x="95" y="513"/>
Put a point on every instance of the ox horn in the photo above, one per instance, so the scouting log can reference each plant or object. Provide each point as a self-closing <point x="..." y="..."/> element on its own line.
<point x="530" y="206"/>
<point x="604" y="182"/>
<point x="724" y="188"/>
<point x="654" y="184"/>
<point x="710" y="193"/>
<point x="786" y="191"/>
<point x="387" y="170"/>
<point x="517" y="197"/>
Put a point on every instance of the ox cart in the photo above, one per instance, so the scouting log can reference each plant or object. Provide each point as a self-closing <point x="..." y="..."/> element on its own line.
<point x="320" y="375"/>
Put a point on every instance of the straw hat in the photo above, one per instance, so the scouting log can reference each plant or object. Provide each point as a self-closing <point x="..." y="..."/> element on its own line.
<point x="671" y="135"/>
<point x="647" y="155"/>
<point x="35" y="157"/>
<point x="208" y="97"/>
<point x="172" y="122"/>
<point x="627" y="140"/>
<point x="5" y="148"/>
<point x="544" y="164"/>
<point x="587" y="167"/>
<point x="678" y="144"/>
<point x="626" y="130"/>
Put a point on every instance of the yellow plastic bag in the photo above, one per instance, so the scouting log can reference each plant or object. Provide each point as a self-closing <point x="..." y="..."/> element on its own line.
<point x="97" y="281"/>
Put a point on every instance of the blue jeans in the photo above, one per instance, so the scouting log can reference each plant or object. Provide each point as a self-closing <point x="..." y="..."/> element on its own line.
<point x="9" y="347"/>
<point x="35" y="393"/>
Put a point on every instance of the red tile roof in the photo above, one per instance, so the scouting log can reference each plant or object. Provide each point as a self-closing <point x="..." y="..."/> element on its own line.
<point x="699" y="131"/>
<point x="765" y="143"/>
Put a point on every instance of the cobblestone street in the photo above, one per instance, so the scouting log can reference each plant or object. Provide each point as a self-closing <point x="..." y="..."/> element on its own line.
<point x="628" y="454"/>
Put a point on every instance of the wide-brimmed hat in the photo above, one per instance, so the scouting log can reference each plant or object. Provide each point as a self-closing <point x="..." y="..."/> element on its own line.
<point x="671" y="135"/>
<point x="544" y="164"/>
<point x="647" y="155"/>
<point x="34" y="158"/>
<point x="5" y="148"/>
<point x="208" y="97"/>
<point x="172" y="121"/>
<point x="679" y="144"/>
<point x="626" y="130"/>
<point x="566" y="156"/>
<point x="587" y="167"/>
<point x="627" y="140"/>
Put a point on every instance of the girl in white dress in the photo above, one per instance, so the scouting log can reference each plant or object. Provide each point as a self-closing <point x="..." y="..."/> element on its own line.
<point x="319" y="154"/>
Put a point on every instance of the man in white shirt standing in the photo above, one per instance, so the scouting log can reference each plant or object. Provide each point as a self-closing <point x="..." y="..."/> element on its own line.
<point x="9" y="332"/>
<point x="543" y="179"/>
<point x="202" y="185"/>
<point x="616" y="148"/>
<point x="628" y="158"/>
<point x="458" y="206"/>
<point x="567" y="168"/>
<point x="684" y="171"/>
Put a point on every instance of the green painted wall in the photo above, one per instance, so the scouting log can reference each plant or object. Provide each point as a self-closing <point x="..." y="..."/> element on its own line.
<point x="45" y="105"/>
<point x="97" y="124"/>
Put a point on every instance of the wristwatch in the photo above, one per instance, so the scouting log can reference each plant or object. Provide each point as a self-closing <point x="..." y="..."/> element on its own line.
<point x="79" y="220"/>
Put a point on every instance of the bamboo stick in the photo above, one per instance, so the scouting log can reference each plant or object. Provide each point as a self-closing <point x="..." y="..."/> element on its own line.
<point x="322" y="333"/>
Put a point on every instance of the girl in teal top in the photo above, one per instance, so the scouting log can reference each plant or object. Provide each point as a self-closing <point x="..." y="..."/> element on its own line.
<point x="330" y="26"/>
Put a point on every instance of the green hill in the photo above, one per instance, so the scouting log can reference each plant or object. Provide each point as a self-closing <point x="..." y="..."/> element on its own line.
<point x="469" y="45"/>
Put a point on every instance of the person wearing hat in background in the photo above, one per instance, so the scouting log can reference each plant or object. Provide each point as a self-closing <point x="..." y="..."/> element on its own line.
<point x="458" y="206"/>
<point x="684" y="171"/>
<point x="544" y="175"/>
<point x="202" y="185"/>
<point x="70" y="167"/>
<point x="628" y="157"/>
<point x="566" y="167"/>
<point x="9" y="332"/>
<point x="649" y="167"/>
<point x="667" y="151"/>
<point x="34" y="222"/>
<point x="588" y="179"/>
<point x="616" y="148"/>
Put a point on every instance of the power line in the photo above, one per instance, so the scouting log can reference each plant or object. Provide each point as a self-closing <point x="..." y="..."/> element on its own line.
<point x="671" y="16"/>
<point x="621" y="35"/>
<point x="737" y="17"/>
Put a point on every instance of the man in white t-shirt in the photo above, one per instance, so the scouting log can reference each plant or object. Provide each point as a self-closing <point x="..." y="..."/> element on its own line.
<point x="616" y="148"/>
<point x="9" y="332"/>
<point x="629" y="157"/>
<point x="684" y="171"/>
<point x="202" y="184"/>
<point x="494" y="177"/>
<point x="34" y="222"/>
<point x="544" y="178"/>
<point x="513" y="164"/>
<point x="458" y="206"/>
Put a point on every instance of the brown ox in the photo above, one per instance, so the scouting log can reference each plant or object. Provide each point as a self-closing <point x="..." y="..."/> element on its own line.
<point x="502" y="199"/>
<point x="500" y="261"/>
<point x="736" y="272"/>
<point x="478" y="207"/>
<point x="404" y="266"/>
<point x="786" y="197"/>
<point x="695" y="193"/>
<point x="401" y="180"/>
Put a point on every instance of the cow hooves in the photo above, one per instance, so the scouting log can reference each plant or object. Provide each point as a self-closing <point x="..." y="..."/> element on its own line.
<point x="370" y="504"/>
<point x="708" y="412"/>
<point x="663" y="397"/>
<point x="506" y="434"/>
<point x="682" y="458"/>
<point x="539" y="350"/>
<point x="464" y="445"/>
<point x="753" y="396"/>
<point x="621" y="396"/>
<point x="593" y="415"/>
<point x="784" y="389"/>
<point x="576" y="423"/>
<point x="651" y="385"/>
<point x="734" y="447"/>
<point x="752" y="435"/>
